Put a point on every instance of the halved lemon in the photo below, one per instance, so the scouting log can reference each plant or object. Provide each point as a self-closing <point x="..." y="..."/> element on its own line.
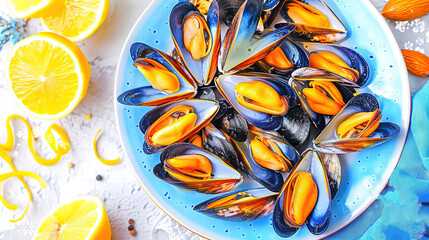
<point x="76" y="19"/>
<point x="29" y="9"/>
<point x="48" y="75"/>
<point x="82" y="218"/>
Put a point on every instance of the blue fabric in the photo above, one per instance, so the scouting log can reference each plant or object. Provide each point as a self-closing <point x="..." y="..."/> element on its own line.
<point x="402" y="210"/>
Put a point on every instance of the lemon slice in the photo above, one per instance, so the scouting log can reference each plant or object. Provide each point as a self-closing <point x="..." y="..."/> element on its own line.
<point x="82" y="218"/>
<point x="76" y="19"/>
<point x="29" y="8"/>
<point x="48" y="75"/>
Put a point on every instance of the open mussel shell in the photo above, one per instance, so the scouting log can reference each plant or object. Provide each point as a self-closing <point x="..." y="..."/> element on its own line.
<point x="223" y="178"/>
<point x="318" y="220"/>
<point x="244" y="205"/>
<point x="296" y="126"/>
<point x="302" y="79"/>
<point x="239" y="49"/>
<point x="296" y="55"/>
<point x="204" y="69"/>
<point x="327" y="29"/>
<point x="265" y="121"/>
<point x="205" y="110"/>
<point x="217" y="143"/>
<point x="270" y="179"/>
<point x="332" y="165"/>
<point x="328" y="142"/>
<point x="288" y="151"/>
<point x="150" y="96"/>
<point x="352" y="58"/>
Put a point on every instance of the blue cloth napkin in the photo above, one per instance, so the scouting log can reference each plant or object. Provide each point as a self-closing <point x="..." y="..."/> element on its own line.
<point x="402" y="209"/>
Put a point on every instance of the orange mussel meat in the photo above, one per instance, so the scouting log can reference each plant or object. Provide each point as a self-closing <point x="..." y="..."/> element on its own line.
<point x="261" y="97"/>
<point x="158" y="75"/>
<point x="267" y="154"/>
<point x="300" y="198"/>
<point x="172" y="126"/>
<point x="331" y="62"/>
<point x="323" y="97"/>
<point x="189" y="168"/>
<point x="196" y="36"/>
<point x="359" y="125"/>
<point x="302" y="13"/>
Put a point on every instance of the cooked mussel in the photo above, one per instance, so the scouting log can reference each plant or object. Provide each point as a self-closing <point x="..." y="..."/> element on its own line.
<point x="285" y="58"/>
<point x="196" y="39"/>
<point x="260" y="98"/>
<point x="340" y="60"/>
<point x="244" y="205"/>
<point x="304" y="198"/>
<point x="280" y="151"/>
<point x="271" y="151"/>
<point x="356" y="127"/>
<point x="314" y="21"/>
<point x="188" y="166"/>
<point x="321" y="93"/>
<point x="169" y="80"/>
<point x="240" y="49"/>
<point x="175" y="122"/>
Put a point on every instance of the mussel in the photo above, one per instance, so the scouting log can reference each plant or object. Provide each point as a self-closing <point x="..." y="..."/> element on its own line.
<point x="260" y="98"/>
<point x="265" y="169"/>
<point x="305" y="198"/>
<point x="321" y="93"/>
<point x="197" y="40"/>
<point x="169" y="80"/>
<point x="240" y="49"/>
<point x="244" y="205"/>
<point x="356" y="127"/>
<point x="188" y="166"/>
<point x="340" y="60"/>
<point x="285" y="58"/>
<point x="175" y="122"/>
<point x="314" y="21"/>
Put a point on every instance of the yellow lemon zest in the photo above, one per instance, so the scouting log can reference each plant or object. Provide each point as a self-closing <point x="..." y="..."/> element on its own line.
<point x="105" y="161"/>
<point x="60" y="150"/>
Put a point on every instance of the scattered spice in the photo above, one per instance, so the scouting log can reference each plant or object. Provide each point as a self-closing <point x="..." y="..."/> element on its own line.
<point x="35" y="139"/>
<point x="131" y="221"/>
<point x="99" y="177"/>
<point x="89" y="116"/>
<point x="133" y="232"/>
<point x="70" y="165"/>
<point x="105" y="161"/>
<point x="131" y="227"/>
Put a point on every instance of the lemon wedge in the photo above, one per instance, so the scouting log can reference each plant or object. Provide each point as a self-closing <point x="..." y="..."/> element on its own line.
<point x="76" y="19"/>
<point x="48" y="75"/>
<point x="81" y="218"/>
<point x="30" y="9"/>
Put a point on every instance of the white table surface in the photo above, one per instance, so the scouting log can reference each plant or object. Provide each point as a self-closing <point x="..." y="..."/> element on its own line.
<point x="121" y="194"/>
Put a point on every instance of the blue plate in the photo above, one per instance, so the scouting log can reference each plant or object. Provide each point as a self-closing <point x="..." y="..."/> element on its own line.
<point x="364" y="174"/>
